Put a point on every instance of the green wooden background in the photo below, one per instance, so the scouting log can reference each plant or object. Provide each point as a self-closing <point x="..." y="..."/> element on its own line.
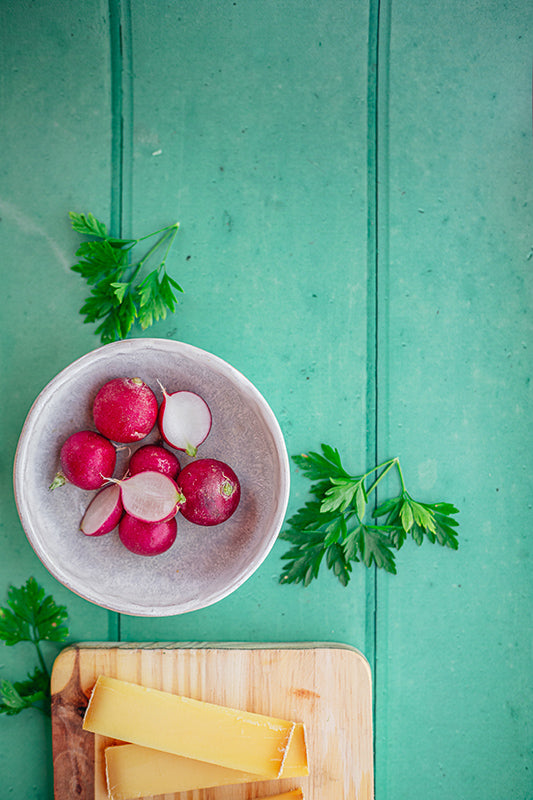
<point x="352" y="181"/>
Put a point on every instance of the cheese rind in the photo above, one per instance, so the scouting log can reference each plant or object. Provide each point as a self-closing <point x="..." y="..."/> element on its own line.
<point x="181" y="725"/>
<point x="133" y="771"/>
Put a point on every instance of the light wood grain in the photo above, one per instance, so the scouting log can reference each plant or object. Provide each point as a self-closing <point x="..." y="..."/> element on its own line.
<point x="326" y="687"/>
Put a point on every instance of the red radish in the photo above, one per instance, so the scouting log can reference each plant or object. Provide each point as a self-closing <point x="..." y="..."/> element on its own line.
<point x="85" y="458"/>
<point x="147" y="538"/>
<point x="184" y="420"/>
<point x="125" y="410"/>
<point x="103" y="512"/>
<point x="211" y="490"/>
<point x="154" y="458"/>
<point x="150" y="496"/>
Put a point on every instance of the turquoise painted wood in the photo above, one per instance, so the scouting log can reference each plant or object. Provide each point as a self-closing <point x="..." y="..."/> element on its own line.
<point x="453" y="667"/>
<point x="258" y="147"/>
<point x="352" y="181"/>
<point x="56" y="136"/>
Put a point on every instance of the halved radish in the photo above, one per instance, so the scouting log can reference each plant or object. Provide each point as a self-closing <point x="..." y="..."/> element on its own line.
<point x="212" y="491"/>
<point x="184" y="420"/>
<point x="147" y="538"/>
<point x="154" y="458"/>
<point x="103" y="512"/>
<point x="150" y="496"/>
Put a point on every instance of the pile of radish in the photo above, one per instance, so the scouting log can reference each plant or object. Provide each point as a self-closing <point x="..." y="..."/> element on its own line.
<point x="145" y="503"/>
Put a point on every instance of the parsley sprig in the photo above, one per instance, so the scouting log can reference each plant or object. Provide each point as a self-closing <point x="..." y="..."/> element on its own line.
<point x="335" y="526"/>
<point x="33" y="617"/>
<point x="120" y="294"/>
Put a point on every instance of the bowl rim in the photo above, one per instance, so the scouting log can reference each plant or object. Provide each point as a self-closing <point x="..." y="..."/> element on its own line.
<point x="22" y="451"/>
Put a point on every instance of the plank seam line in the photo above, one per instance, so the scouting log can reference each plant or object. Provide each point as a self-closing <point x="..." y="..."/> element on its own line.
<point x="118" y="13"/>
<point x="117" y="122"/>
<point x="381" y="394"/>
<point x="378" y="47"/>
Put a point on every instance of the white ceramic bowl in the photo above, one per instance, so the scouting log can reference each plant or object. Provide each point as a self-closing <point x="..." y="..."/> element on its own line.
<point x="205" y="564"/>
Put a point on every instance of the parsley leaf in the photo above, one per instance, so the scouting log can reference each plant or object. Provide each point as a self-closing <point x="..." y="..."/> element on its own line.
<point x="31" y="616"/>
<point x="32" y="692"/>
<point x="316" y="466"/>
<point x="332" y="528"/>
<point x="88" y="224"/>
<point x="119" y="296"/>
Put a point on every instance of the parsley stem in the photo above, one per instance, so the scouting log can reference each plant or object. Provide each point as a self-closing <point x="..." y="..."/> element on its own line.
<point x="171" y="231"/>
<point x="388" y="466"/>
<point x="42" y="662"/>
<point x="173" y="227"/>
<point x="171" y="236"/>
<point x="400" y="474"/>
<point x="168" y="235"/>
<point x="119" y="294"/>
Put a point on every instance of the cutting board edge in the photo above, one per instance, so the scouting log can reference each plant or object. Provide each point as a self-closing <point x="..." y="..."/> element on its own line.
<point x="69" y="651"/>
<point x="223" y="645"/>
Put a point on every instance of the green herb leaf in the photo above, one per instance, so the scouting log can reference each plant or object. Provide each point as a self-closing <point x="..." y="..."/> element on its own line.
<point x="331" y="528"/>
<point x="11" y="701"/>
<point x="340" y="495"/>
<point x="338" y="564"/>
<point x="316" y="466"/>
<point x="153" y="295"/>
<point x="88" y="225"/>
<point x="119" y="295"/>
<point x="31" y="616"/>
<point x="389" y="506"/>
<point x="434" y="522"/>
<point x="120" y="290"/>
<point x="397" y="535"/>
<point x="304" y="557"/>
<point x="361" y="500"/>
<point x="32" y="692"/>
<point x="375" y="547"/>
<point x="406" y="516"/>
<point x="371" y="545"/>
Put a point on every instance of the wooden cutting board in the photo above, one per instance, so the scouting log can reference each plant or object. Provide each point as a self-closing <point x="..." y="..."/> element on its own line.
<point x="328" y="687"/>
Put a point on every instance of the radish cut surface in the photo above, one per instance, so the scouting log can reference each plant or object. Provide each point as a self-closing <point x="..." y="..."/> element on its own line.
<point x="150" y="496"/>
<point x="184" y="420"/>
<point x="103" y="512"/>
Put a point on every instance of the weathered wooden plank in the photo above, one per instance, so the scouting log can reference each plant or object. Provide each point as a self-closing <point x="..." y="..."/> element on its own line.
<point x="453" y="640"/>
<point x="249" y="126"/>
<point x="55" y="134"/>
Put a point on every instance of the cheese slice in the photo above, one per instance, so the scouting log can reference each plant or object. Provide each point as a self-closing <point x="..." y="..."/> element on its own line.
<point x="296" y="764"/>
<point x="133" y="771"/>
<point x="181" y="725"/>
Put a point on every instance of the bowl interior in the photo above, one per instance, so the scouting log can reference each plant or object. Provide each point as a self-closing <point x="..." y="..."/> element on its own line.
<point x="206" y="563"/>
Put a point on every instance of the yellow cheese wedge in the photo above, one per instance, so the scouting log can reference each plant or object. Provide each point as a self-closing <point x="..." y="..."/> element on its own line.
<point x="133" y="771"/>
<point x="296" y="763"/>
<point x="294" y="794"/>
<point x="181" y="725"/>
